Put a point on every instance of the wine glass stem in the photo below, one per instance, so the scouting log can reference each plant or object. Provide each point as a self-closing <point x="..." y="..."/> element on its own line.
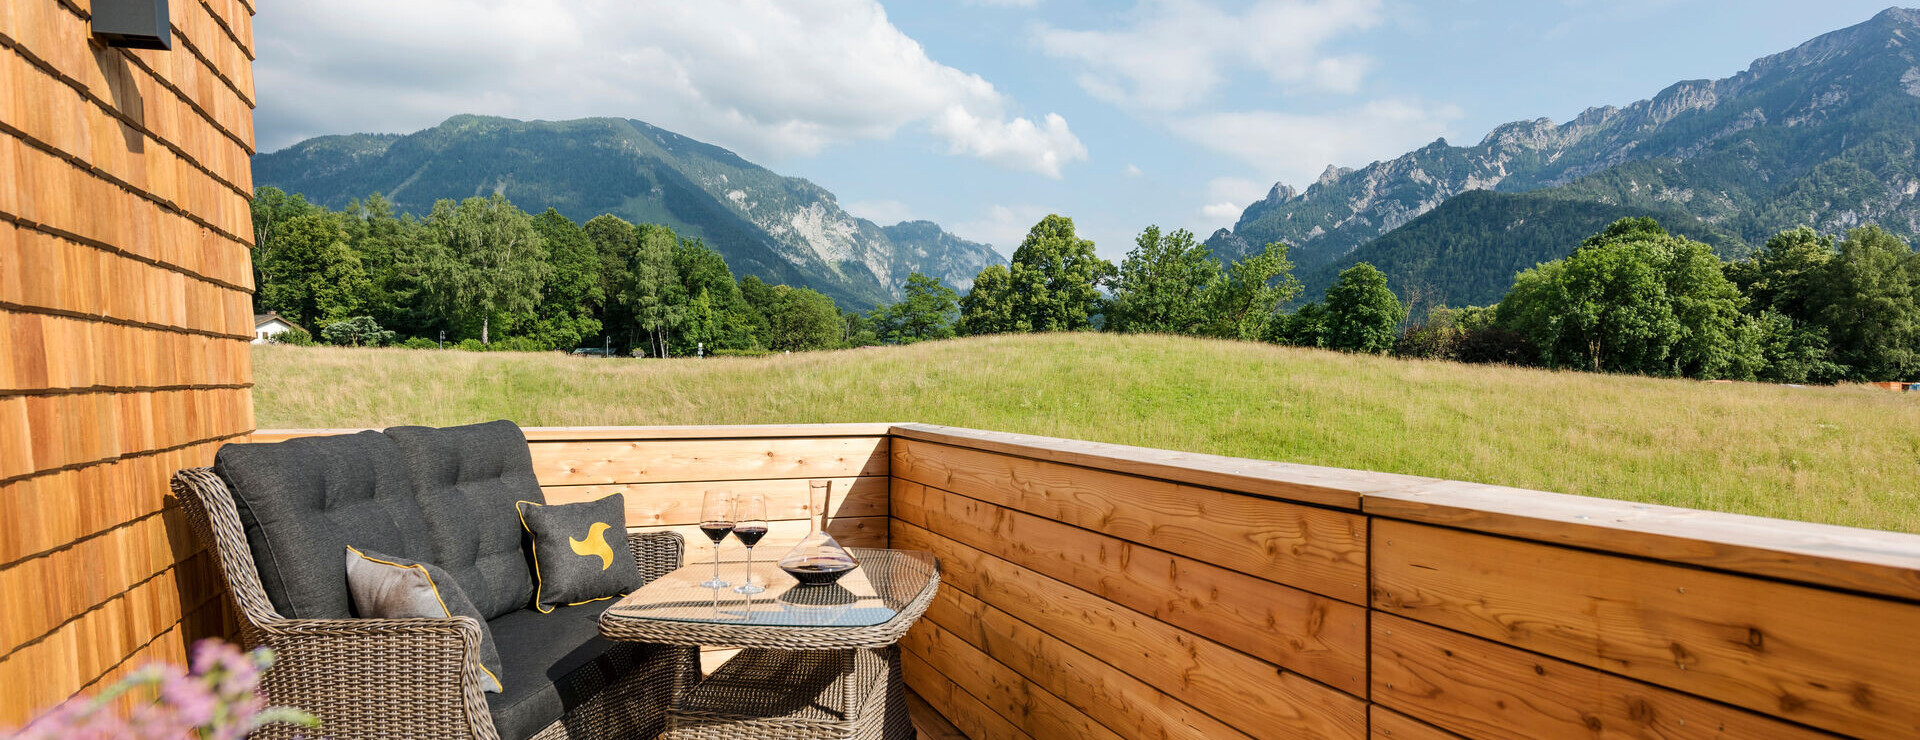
<point x="747" y="582"/>
<point x="716" y="562"/>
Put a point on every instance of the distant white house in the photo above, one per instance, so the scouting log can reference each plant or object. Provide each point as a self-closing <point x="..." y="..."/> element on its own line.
<point x="265" y="325"/>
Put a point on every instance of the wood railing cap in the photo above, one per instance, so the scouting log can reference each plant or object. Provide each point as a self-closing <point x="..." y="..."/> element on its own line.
<point x="615" y="433"/>
<point x="1337" y="487"/>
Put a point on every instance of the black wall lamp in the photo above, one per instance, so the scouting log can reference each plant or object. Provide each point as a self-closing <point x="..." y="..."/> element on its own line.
<point x="133" y="24"/>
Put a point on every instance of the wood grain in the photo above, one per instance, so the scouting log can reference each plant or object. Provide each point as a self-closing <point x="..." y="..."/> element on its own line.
<point x="1126" y="704"/>
<point x="1233" y="686"/>
<point x="1335" y="487"/>
<point x="124" y="312"/>
<point x="1387" y="724"/>
<point x="927" y="722"/>
<point x="967" y="713"/>
<point x="1316" y="549"/>
<point x="652" y="504"/>
<point x="1885" y="563"/>
<point x="1321" y="638"/>
<point x="667" y="461"/>
<point x="1009" y="694"/>
<point x="1483" y="689"/>
<point x="1837" y="661"/>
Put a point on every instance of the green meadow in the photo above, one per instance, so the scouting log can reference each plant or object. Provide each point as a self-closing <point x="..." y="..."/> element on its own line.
<point x="1845" y="455"/>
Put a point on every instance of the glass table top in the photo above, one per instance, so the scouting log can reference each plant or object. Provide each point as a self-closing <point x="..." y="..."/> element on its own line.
<point x="869" y="595"/>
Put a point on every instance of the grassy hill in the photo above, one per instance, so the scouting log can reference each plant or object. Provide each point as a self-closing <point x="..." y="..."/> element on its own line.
<point x="1848" y="455"/>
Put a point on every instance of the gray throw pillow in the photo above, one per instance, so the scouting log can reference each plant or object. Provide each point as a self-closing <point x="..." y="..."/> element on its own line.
<point x="580" y="551"/>
<point x="386" y="587"/>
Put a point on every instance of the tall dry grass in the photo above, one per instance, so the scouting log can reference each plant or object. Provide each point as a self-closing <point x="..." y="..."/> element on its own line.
<point x="1848" y="455"/>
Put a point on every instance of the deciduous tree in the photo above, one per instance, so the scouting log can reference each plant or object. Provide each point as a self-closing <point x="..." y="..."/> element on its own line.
<point x="1159" y="286"/>
<point x="1362" y="313"/>
<point x="483" y="262"/>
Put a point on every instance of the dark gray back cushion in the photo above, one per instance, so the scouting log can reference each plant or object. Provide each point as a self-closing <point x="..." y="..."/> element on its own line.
<point x="467" y="480"/>
<point x="304" y="501"/>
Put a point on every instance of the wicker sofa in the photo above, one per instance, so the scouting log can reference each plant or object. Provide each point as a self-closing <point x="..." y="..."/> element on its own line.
<point x="279" y="517"/>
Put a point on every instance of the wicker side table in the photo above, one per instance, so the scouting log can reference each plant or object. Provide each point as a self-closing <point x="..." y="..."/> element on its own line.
<point x="816" y="662"/>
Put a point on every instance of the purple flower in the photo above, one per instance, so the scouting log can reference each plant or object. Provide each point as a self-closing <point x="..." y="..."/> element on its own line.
<point x="218" y="699"/>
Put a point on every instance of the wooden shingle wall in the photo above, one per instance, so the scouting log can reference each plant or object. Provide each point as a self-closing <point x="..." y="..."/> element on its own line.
<point x="124" y="319"/>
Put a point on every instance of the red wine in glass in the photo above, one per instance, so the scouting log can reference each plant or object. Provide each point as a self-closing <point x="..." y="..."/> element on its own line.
<point x="749" y="535"/>
<point x="716" y="531"/>
<point x="749" y="524"/>
<point x="716" y="519"/>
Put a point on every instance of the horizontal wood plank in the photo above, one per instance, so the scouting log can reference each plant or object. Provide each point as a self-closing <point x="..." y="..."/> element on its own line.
<point x="1233" y="686"/>
<point x="1885" y="563"/>
<point x="1321" y="638"/>
<point x="1335" y="487"/>
<point x="1316" y="549"/>
<point x="1838" y="661"/>
<point x="1006" y="692"/>
<point x="668" y="461"/>
<point x="1482" y="689"/>
<point x="967" y="713"/>
<point x="1387" y="724"/>
<point x="653" y="504"/>
<point x="1130" y="706"/>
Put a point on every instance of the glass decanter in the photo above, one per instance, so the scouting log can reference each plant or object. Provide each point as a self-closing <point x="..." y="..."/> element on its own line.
<point x="818" y="559"/>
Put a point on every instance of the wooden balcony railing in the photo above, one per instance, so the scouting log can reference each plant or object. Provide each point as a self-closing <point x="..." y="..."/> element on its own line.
<point x="1114" y="592"/>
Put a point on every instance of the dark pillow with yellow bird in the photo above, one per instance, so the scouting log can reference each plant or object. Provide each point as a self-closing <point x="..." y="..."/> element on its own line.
<point x="580" y="551"/>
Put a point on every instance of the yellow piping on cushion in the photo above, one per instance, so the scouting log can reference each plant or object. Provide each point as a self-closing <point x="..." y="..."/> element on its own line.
<point x="533" y="543"/>
<point x="444" y="611"/>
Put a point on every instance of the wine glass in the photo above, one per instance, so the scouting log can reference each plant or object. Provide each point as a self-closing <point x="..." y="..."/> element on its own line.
<point x="749" y="524"/>
<point x="716" y="520"/>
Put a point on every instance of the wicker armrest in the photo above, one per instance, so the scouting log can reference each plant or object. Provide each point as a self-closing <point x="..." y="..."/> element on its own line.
<point x="657" y="553"/>
<point x="365" y="677"/>
<point x="362" y="677"/>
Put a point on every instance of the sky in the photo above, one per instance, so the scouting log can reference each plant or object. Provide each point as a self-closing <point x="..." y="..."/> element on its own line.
<point x="986" y="115"/>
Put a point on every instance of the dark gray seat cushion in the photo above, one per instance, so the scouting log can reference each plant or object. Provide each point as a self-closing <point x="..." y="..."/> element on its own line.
<point x="467" y="480"/>
<point x="302" y="502"/>
<point x="552" y="662"/>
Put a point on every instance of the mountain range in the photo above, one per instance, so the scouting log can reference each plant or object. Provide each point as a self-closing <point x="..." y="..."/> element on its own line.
<point x="1826" y="134"/>
<point x="782" y="229"/>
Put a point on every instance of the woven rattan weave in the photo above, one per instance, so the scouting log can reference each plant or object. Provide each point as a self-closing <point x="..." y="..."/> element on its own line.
<point x="817" y="662"/>
<point x="416" y="678"/>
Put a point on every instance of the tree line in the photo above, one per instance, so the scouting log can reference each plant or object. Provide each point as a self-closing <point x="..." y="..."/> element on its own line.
<point x="1630" y="299"/>
<point x="1634" y="298"/>
<point x="486" y="275"/>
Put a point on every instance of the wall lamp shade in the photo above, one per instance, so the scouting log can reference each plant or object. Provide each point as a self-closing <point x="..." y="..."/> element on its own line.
<point x="133" y="24"/>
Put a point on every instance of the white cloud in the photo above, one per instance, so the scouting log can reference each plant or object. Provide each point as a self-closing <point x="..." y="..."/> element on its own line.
<point x="1007" y="3"/>
<point x="1133" y="170"/>
<point x="882" y="212"/>
<point x="766" y="78"/>
<point x="1172" y="54"/>
<point x="1297" y="147"/>
<point x="1222" y="212"/>
<point x="1017" y="144"/>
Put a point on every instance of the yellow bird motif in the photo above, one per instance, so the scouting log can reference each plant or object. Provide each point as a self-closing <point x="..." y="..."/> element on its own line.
<point x="594" y="544"/>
